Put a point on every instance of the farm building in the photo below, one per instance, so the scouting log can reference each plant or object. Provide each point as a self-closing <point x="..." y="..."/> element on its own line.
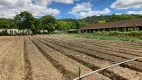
<point x="123" y="25"/>
<point x="73" y="31"/>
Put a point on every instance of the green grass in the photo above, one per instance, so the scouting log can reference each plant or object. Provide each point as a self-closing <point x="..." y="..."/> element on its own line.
<point x="132" y="36"/>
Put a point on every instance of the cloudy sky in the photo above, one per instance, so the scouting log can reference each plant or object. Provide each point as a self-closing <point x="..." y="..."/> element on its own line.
<point x="69" y="8"/>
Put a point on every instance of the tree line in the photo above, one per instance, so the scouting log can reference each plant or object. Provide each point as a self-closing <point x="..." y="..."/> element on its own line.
<point x="25" y="23"/>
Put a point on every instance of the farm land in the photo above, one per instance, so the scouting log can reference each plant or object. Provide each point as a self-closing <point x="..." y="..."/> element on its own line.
<point x="63" y="57"/>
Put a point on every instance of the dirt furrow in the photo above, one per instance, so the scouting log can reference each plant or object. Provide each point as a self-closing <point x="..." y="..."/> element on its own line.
<point x="66" y="74"/>
<point x="109" y="43"/>
<point x="117" y="44"/>
<point x="118" y="51"/>
<point x="68" y="37"/>
<point x="95" y="64"/>
<point x="10" y="63"/>
<point x="40" y="67"/>
<point x="122" y="47"/>
<point x="27" y="64"/>
<point x="132" y="65"/>
<point x="100" y="50"/>
<point x="117" y="48"/>
<point x="70" y="64"/>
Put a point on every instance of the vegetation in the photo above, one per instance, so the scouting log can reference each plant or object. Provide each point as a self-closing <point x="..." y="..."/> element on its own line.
<point x="25" y="23"/>
<point x="108" y="18"/>
<point x="48" y="23"/>
<point x="95" y="19"/>
<point x="101" y="19"/>
<point x="68" y="20"/>
<point x="80" y="24"/>
<point x="24" y="20"/>
<point x="6" y="24"/>
<point x="133" y="36"/>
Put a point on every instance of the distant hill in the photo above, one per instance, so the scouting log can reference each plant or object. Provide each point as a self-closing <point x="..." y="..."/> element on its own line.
<point x="110" y="18"/>
<point x="95" y="19"/>
<point x="68" y="20"/>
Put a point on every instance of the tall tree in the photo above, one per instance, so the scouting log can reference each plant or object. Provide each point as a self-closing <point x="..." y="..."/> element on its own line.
<point x="24" y="20"/>
<point x="37" y="26"/>
<point x="80" y="23"/>
<point x="6" y="23"/>
<point x="48" y="23"/>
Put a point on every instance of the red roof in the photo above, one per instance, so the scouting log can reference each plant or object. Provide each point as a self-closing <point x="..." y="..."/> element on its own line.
<point x="116" y="24"/>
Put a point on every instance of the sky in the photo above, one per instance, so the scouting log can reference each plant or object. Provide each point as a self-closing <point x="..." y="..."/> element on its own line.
<point x="77" y="9"/>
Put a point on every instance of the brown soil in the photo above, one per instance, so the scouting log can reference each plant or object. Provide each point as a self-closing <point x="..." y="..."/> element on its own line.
<point x="59" y="57"/>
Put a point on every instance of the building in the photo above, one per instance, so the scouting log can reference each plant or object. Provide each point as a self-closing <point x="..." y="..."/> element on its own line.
<point x="123" y="25"/>
<point x="73" y="31"/>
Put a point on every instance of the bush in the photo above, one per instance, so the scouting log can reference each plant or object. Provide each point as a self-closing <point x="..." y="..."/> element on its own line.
<point x="133" y="36"/>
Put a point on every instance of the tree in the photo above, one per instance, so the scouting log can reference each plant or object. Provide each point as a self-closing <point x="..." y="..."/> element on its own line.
<point x="6" y="24"/>
<point x="65" y="25"/>
<point x="37" y="26"/>
<point x="71" y="25"/>
<point x="80" y="24"/>
<point x="95" y="19"/>
<point x="48" y="23"/>
<point x="59" y="25"/>
<point x="102" y="21"/>
<point x="24" y="20"/>
<point x="119" y="17"/>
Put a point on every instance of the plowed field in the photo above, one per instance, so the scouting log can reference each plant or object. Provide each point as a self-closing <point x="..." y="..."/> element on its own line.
<point x="61" y="57"/>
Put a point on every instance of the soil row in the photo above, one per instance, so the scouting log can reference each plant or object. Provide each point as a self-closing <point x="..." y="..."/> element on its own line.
<point x="132" y="65"/>
<point x="101" y="49"/>
<point x="69" y="65"/>
<point x="105" y="43"/>
<point x="100" y="55"/>
<point x="40" y="67"/>
<point x="11" y="60"/>
<point x="107" y="47"/>
<point x="93" y="63"/>
<point x="27" y="64"/>
<point x="123" y="45"/>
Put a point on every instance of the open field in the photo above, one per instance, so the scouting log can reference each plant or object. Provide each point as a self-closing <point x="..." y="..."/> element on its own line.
<point x="62" y="57"/>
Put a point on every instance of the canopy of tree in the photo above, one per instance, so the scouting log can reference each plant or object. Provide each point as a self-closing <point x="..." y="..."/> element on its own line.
<point x="24" y="20"/>
<point x="48" y="23"/>
<point x="7" y="23"/>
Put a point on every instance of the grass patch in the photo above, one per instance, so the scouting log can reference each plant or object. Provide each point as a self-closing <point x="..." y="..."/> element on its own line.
<point x="132" y="36"/>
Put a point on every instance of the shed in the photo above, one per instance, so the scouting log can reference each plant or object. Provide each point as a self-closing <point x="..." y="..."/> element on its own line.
<point x="122" y="25"/>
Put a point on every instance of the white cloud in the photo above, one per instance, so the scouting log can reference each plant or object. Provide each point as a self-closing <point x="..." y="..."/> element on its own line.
<point x="64" y="1"/>
<point x="96" y="12"/>
<point x="127" y="4"/>
<point x="134" y="12"/>
<point x="118" y="13"/>
<point x="47" y="2"/>
<point x="81" y="7"/>
<point x="9" y="8"/>
<point x="76" y="0"/>
<point x="42" y="2"/>
<point x="85" y="9"/>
